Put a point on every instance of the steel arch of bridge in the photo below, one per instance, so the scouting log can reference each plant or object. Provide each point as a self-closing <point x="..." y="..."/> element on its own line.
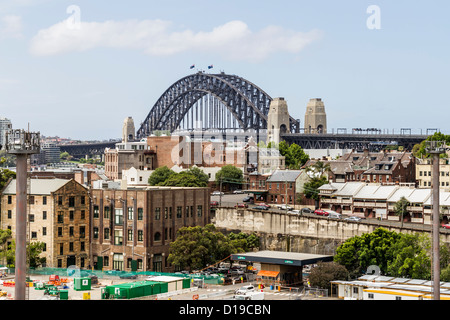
<point x="247" y="103"/>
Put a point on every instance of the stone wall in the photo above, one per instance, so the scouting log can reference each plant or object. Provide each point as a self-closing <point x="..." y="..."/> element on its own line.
<point x="308" y="234"/>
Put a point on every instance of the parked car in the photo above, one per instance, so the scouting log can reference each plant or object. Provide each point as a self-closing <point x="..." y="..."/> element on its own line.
<point x="248" y="199"/>
<point x="217" y="193"/>
<point x="294" y="211"/>
<point x="260" y="208"/>
<point x="263" y="204"/>
<point x="241" y="205"/>
<point x="214" y="203"/>
<point x="307" y="210"/>
<point x="353" y="218"/>
<point x="245" y="289"/>
<point x="446" y="226"/>
<point x="238" y="191"/>
<point x="284" y="207"/>
<point x="321" y="212"/>
<point x="334" y="215"/>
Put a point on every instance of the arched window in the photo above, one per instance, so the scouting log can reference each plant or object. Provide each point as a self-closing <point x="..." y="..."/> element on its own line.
<point x="157" y="236"/>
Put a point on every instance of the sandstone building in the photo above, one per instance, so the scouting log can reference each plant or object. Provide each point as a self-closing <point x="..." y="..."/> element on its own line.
<point x="58" y="216"/>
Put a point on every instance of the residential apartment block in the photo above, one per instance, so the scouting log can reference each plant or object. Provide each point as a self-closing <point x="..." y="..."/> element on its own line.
<point x="368" y="200"/>
<point x="424" y="170"/>
<point x="58" y="216"/>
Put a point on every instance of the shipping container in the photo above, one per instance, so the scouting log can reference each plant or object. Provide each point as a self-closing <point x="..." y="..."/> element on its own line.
<point x="81" y="284"/>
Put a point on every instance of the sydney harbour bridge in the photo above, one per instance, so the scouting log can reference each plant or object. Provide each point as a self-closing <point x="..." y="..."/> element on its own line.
<point x="231" y="105"/>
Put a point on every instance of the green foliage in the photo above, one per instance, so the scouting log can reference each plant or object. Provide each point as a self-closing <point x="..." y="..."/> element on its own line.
<point x="360" y="252"/>
<point x="325" y="272"/>
<point x="197" y="247"/>
<point x="294" y="155"/>
<point x="5" y="174"/>
<point x="419" y="149"/>
<point x="34" y="249"/>
<point x="310" y="188"/>
<point x="160" y="175"/>
<point x="193" y="177"/>
<point x="230" y="175"/>
<point x="396" y="254"/>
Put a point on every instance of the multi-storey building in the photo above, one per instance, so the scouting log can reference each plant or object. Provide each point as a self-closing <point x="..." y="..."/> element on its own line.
<point x="58" y="216"/>
<point x="133" y="228"/>
<point x="5" y="127"/>
<point x="424" y="171"/>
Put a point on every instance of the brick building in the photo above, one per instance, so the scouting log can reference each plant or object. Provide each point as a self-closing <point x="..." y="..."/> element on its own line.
<point x="133" y="228"/>
<point x="58" y="217"/>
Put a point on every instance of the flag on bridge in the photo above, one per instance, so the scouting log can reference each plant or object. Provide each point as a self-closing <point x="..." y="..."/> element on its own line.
<point x="210" y="67"/>
<point x="193" y="66"/>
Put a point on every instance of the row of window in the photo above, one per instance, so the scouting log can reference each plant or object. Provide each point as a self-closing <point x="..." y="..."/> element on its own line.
<point x="118" y="235"/>
<point x="428" y="173"/>
<point x="31" y="200"/>
<point x="118" y="213"/>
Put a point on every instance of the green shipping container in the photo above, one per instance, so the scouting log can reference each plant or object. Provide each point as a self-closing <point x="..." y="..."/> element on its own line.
<point x="63" y="294"/>
<point x="81" y="284"/>
<point x="134" y="289"/>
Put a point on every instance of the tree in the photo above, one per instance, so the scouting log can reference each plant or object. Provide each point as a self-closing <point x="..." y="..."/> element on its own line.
<point x="419" y="149"/>
<point x="160" y="175"/>
<point x="197" y="247"/>
<point x="370" y="249"/>
<point x="34" y="249"/>
<point x="294" y="155"/>
<point x="5" y="237"/>
<point x="193" y="177"/>
<point x="5" y="174"/>
<point x="325" y="272"/>
<point x="400" y="208"/>
<point x="230" y="175"/>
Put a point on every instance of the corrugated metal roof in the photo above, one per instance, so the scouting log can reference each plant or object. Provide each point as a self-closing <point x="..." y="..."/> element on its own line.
<point x="284" y="176"/>
<point x="375" y="192"/>
<point x="38" y="186"/>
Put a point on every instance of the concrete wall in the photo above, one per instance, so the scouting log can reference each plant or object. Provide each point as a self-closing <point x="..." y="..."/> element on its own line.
<point x="290" y="232"/>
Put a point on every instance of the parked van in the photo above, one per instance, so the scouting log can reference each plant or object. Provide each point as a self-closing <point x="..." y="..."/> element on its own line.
<point x="334" y="215"/>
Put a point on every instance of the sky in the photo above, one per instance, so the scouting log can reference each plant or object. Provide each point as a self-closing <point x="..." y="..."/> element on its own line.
<point x="77" y="69"/>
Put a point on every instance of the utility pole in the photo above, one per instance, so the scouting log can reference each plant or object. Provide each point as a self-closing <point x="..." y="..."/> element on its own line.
<point x="435" y="148"/>
<point x="21" y="143"/>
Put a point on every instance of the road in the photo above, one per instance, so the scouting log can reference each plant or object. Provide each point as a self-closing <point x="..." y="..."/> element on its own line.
<point x="230" y="200"/>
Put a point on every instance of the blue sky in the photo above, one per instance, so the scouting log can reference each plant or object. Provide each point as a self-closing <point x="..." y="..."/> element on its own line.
<point x="80" y="78"/>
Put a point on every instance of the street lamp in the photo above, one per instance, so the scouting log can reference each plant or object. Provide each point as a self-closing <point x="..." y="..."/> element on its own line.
<point x="21" y="143"/>
<point x="435" y="148"/>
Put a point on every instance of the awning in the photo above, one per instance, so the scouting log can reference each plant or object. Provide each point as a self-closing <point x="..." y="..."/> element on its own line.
<point x="264" y="273"/>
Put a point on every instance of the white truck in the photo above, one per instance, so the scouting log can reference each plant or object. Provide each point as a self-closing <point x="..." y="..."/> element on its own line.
<point x="255" y="295"/>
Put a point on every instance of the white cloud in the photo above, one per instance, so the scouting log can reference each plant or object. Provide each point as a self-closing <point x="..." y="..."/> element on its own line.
<point x="233" y="40"/>
<point x="10" y="27"/>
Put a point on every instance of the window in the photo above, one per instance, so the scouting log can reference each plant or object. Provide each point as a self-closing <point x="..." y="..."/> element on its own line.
<point x="9" y="199"/>
<point x="118" y="216"/>
<point x="82" y="214"/>
<point x="82" y="246"/>
<point x="71" y="215"/>
<point x="118" y="261"/>
<point x="61" y="248"/>
<point x="9" y="214"/>
<point x="157" y="236"/>
<point x="118" y="237"/>
<point x="71" y="231"/>
<point x="140" y="214"/>
<point x="199" y="211"/>
<point x="179" y="212"/>
<point x="96" y="211"/>
<point x="60" y="217"/>
<point x="83" y="200"/>
<point x="60" y="201"/>
<point x="71" y="246"/>
<point x="33" y="235"/>
<point x="157" y="213"/>
<point x="95" y="232"/>
<point x="140" y="235"/>
<point x="59" y="231"/>
<point x="71" y="201"/>
<point x="31" y="217"/>
<point x="44" y="200"/>
<point x="130" y="235"/>
<point x="130" y="213"/>
<point x="355" y="289"/>
<point x="371" y="296"/>
<point x="398" y="298"/>
<point x="106" y="233"/>
<point x="82" y="231"/>
<point x="106" y="212"/>
<point x="105" y="261"/>
<point x="44" y="215"/>
<point x="44" y="231"/>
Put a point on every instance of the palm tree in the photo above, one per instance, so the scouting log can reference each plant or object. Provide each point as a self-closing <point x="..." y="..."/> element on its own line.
<point x="400" y="208"/>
